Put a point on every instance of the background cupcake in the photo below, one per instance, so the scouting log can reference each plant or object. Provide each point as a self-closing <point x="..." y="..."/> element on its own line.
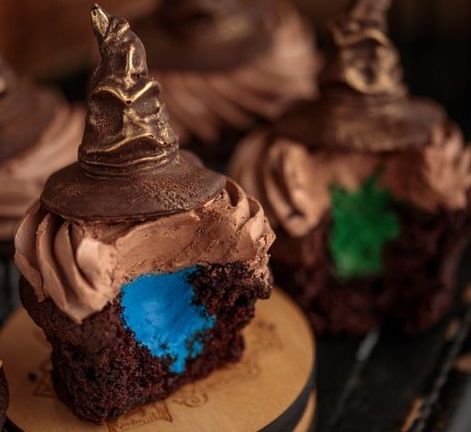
<point x="368" y="188"/>
<point x="39" y="133"/>
<point x="130" y="322"/>
<point x="226" y="65"/>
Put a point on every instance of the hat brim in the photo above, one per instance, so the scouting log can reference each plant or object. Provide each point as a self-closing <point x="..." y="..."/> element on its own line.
<point x="180" y="186"/>
<point x="383" y="127"/>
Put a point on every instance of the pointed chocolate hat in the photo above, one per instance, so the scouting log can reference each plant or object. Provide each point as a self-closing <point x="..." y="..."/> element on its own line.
<point x="25" y="112"/>
<point x="207" y="34"/>
<point x="129" y="163"/>
<point x="364" y="105"/>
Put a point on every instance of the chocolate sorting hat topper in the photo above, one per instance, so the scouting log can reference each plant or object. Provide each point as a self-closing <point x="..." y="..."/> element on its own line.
<point x="362" y="59"/>
<point x="207" y="34"/>
<point x="364" y="105"/>
<point x="129" y="162"/>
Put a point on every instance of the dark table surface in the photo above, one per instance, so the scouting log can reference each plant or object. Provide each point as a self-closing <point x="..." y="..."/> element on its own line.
<point x="389" y="383"/>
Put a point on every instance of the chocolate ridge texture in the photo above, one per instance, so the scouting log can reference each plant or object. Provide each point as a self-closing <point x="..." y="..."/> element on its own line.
<point x="129" y="148"/>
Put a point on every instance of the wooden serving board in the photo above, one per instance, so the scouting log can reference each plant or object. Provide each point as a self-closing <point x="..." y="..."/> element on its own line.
<point x="270" y="390"/>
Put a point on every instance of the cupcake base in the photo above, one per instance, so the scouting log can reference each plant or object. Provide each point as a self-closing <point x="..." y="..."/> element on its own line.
<point x="273" y="381"/>
<point x="101" y="370"/>
<point x="416" y="290"/>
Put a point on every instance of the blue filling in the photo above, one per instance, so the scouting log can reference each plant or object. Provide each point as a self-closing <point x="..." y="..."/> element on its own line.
<point x="160" y="310"/>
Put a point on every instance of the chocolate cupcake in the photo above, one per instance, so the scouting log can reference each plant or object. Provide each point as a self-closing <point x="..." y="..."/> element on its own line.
<point x="39" y="133"/>
<point x="367" y="188"/>
<point x="226" y="65"/>
<point x="3" y="396"/>
<point x="141" y="266"/>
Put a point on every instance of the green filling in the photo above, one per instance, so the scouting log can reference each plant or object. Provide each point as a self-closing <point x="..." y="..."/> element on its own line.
<point x="363" y="222"/>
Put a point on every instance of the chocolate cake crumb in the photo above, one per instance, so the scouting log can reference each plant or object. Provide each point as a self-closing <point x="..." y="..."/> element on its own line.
<point x="120" y="373"/>
<point x="415" y="291"/>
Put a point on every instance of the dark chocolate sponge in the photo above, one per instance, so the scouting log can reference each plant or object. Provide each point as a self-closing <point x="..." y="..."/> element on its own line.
<point x="417" y="287"/>
<point x="108" y="362"/>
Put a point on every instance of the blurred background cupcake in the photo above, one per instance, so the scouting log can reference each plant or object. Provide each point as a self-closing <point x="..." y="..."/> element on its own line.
<point x="368" y="188"/>
<point x="228" y="64"/>
<point x="39" y="133"/>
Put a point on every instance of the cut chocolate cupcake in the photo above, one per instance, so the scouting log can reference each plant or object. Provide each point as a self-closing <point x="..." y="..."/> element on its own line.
<point x="226" y="65"/>
<point x="141" y="266"/>
<point x="368" y="188"/>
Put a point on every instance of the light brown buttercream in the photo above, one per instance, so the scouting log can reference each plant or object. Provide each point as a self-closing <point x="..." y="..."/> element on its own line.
<point x="437" y="176"/>
<point x="82" y="266"/>
<point x="23" y="176"/>
<point x="201" y="104"/>
<point x="293" y="183"/>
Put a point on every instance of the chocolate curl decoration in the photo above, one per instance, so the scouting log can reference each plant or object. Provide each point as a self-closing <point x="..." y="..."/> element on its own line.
<point x="127" y="127"/>
<point x="362" y="58"/>
<point x="130" y="166"/>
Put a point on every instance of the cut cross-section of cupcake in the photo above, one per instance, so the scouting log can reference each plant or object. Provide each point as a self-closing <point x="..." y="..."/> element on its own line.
<point x="368" y="188"/>
<point x="141" y="266"/>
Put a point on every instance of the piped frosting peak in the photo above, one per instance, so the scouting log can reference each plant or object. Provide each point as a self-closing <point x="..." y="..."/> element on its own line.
<point x="362" y="58"/>
<point x="127" y="126"/>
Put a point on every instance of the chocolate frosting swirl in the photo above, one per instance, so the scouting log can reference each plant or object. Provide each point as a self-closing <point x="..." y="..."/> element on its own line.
<point x="293" y="183"/>
<point x="364" y="105"/>
<point x="129" y="163"/>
